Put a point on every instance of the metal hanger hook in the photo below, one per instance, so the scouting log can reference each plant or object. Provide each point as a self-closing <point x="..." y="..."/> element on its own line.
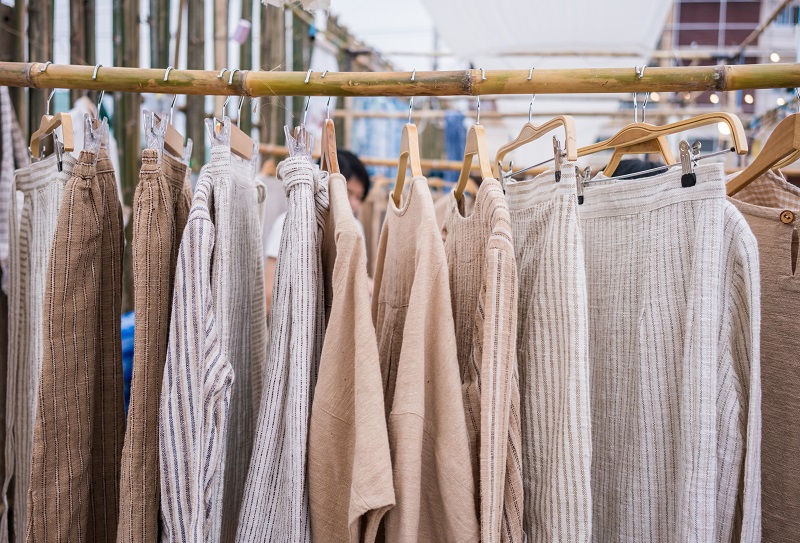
<point x="411" y="101"/>
<point x="233" y="72"/>
<point x="640" y="72"/>
<point x="239" y="112"/>
<point x="644" y="106"/>
<point x="483" y="75"/>
<point x="308" y="76"/>
<point x="478" y="119"/>
<point x="530" y="107"/>
<point x="221" y="72"/>
<point x="413" y="75"/>
<point x="43" y="69"/>
<point x="94" y="75"/>
<point x="224" y="105"/>
<point x="49" y="98"/>
<point x="166" y="74"/>
<point x="328" y="108"/>
<point x="635" y="109"/>
<point x="100" y="102"/>
<point x="172" y="107"/>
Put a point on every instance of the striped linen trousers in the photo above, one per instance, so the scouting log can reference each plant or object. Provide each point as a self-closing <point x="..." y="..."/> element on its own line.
<point x="160" y="210"/>
<point x="196" y="389"/>
<point x="30" y="242"/>
<point x="674" y="314"/>
<point x="238" y="288"/>
<point x="553" y="357"/>
<point x="484" y="289"/>
<point x="74" y="492"/>
<point x="276" y="501"/>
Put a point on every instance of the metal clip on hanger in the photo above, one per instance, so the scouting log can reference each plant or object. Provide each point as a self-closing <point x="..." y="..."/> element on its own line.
<point x="688" y="154"/>
<point x="95" y="133"/>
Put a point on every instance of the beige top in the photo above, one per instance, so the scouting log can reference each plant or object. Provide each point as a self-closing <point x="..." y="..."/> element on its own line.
<point x="483" y="284"/>
<point x="771" y="206"/>
<point x="371" y="215"/>
<point x="349" y="467"/>
<point x="428" y="435"/>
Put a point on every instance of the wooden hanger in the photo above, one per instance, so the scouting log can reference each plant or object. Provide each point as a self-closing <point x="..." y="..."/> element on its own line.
<point x="409" y="157"/>
<point x="48" y="124"/>
<point x="530" y="132"/>
<point x="643" y="137"/>
<point x="782" y="143"/>
<point x="328" y="160"/>
<point x="476" y="146"/>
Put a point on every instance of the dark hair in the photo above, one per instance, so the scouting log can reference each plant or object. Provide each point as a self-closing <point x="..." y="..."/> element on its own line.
<point x="633" y="165"/>
<point x="351" y="167"/>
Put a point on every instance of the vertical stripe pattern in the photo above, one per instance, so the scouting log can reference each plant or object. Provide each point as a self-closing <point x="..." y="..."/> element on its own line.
<point x="196" y="389"/>
<point x="483" y="285"/>
<point x="275" y="506"/>
<point x="160" y="210"/>
<point x="30" y="242"/>
<point x="674" y="328"/>
<point x="553" y="357"/>
<point x="238" y="286"/>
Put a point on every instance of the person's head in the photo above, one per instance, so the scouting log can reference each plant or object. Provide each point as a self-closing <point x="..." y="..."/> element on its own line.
<point x="358" y="181"/>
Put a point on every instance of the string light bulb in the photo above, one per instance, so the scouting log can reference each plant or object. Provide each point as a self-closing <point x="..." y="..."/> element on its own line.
<point x="775" y="57"/>
<point x="748" y="98"/>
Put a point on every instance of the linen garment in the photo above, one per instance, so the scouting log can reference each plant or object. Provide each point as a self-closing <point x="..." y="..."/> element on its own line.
<point x="483" y="284"/>
<point x="371" y="215"/>
<point x="78" y="431"/>
<point x="275" y="505"/>
<point x="428" y="437"/>
<point x="674" y="320"/>
<point x="771" y="207"/>
<point x="349" y="465"/>
<point x="196" y="391"/>
<point x="160" y="211"/>
<point x="238" y="289"/>
<point x="30" y="241"/>
<point x="553" y="357"/>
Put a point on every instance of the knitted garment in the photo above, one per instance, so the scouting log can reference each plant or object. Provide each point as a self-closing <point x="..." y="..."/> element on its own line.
<point x="771" y="207"/>
<point x="275" y="505"/>
<point x="428" y="437"/>
<point x="553" y="357"/>
<point x="484" y="289"/>
<point x="674" y="319"/>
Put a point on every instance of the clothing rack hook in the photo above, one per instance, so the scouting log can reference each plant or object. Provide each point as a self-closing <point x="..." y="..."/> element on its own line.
<point x="166" y="74"/>
<point x="308" y="76"/>
<point x="174" y="98"/>
<point x="530" y="74"/>
<point x="49" y="98"/>
<point x="483" y="75"/>
<point x="411" y="101"/>
<point x="221" y="72"/>
<point x="478" y="119"/>
<point x="233" y="72"/>
<point x="328" y="108"/>
<point x="533" y="97"/>
<point x="43" y="69"/>
<point x="413" y="75"/>
<point x="100" y="102"/>
<point x="635" y="109"/>
<point x="94" y="75"/>
<point x="324" y="73"/>
<point x="644" y="106"/>
<point x="224" y="105"/>
<point x="239" y="112"/>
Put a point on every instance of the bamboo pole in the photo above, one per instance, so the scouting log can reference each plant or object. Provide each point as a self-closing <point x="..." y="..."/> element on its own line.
<point x="19" y="95"/>
<point x="246" y="62"/>
<point x="221" y="43"/>
<point x="453" y="83"/>
<point x="81" y="18"/>
<point x="272" y="58"/>
<point x="40" y="47"/>
<point x="159" y="33"/>
<point x="195" y="105"/>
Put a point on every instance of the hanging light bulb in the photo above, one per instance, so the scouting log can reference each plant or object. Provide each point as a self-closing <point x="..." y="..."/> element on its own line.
<point x="775" y="57"/>
<point x="654" y="97"/>
<point x="781" y="102"/>
<point x="714" y="98"/>
<point x="748" y="98"/>
<point x="724" y="129"/>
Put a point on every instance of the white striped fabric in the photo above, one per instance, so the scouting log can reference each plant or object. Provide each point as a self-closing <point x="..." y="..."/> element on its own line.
<point x="553" y="357"/>
<point x="42" y="186"/>
<point x="674" y="313"/>
<point x="13" y="154"/>
<point x="275" y="506"/>
<point x="196" y="391"/>
<point x="238" y="287"/>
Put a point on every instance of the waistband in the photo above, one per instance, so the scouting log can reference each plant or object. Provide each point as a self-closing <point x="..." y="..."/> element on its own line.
<point x="85" y="168"/>
<point x="617" y="197"/>
<point x="173" y="170"/>
<point x="542" y="188"/>
<point x="104" y="164"/>
<point x="41" y="173"/>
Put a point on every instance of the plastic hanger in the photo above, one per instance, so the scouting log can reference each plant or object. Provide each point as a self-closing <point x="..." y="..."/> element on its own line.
<point x="782" y="143"/>
<point x="328" y="160"/>
<point x="48" y="124"/>
<point x="409" y="153"/>
<point x="476" y="146"/>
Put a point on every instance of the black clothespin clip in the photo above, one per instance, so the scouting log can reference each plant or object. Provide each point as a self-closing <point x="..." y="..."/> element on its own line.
<point x="557" y="155"/>
<point x="687" y="153"/>
<point x="581" y="178"/>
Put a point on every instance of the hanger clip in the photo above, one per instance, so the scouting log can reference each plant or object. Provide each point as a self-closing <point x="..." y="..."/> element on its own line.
<point x="688" y="156"/>
<point x="581" y="178"/>
<point x="48" y="145"/>
<point x="558" y="155"/>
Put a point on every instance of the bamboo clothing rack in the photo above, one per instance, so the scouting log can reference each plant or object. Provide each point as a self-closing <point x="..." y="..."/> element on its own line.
<point x="438" y="83"/>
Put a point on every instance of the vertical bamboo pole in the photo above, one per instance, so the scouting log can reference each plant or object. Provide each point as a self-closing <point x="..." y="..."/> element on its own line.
<point x="221" y="43"/>
<point x="159" y="33"/>
<point x="179" y="33"/>
<point x="246" y="62"/>
<point x="195" y="105"/>
<point x="40" y="48"/>
<point x="126" y="124"/>
<point x="272" y="58"/>
<point x="19" y="95"/>
<point x="81" y="34"/>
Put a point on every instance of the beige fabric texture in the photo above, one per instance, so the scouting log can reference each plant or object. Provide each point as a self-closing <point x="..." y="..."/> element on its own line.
<point x="553" y="357"/>
<point x="160" y="210"/>
<point x="428" y="437"/>
<point x="762" y="203"/>
<point x="371" y="215"/>
<point x="349" y="465"/>
<point x="674" y="320"/>
<point x="483" y="285"/>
